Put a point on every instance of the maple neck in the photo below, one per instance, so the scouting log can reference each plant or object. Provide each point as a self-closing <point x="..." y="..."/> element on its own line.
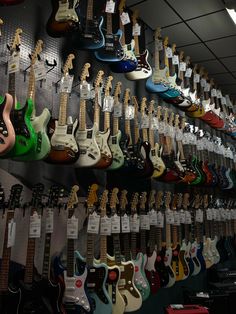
<point x="12" y="86"/>
<point x="136" y="47"/>
<point x="128" y="131"/>
<point x="117" y="250"/>
<point x="115" y="125"/>
<point x="96" y="117"/>
<point x="82" y="115"/>
<point x="6" y="255"/>
<point x="106" y="120"/>
<point x="109" y="23"/>
<point x="168" y="235"/>
<point x="136" y="131"/>
<point x="90" y="249"/>
<point x="103" y="249"/>
<point x="157" y="56"/>
<point x="151" y="137"/>
<point x="46" y="257"/>
<point x="166" y="61"/>
<point x="145" y="135"/>
<point x="63" y="109"/>
<point x="122" y="28"/>
<point x="89" y="15"/>
<point x="181" y="150"/>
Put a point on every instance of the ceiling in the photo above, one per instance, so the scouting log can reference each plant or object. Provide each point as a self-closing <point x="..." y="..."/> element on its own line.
<point x="201" y="28"/>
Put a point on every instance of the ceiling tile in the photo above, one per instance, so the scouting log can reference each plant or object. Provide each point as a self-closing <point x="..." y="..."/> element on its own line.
<point x="180" y="34"/>
<point x="197" y="52"/>
<point x="224" y="78"/>
<point x="230" y="63"/>
<point x="213" y="66"/>
<point x="223" y="47"/>
<point x="163" y="16"/>
<point x="189" y="9"/>
<point x="213" y="26"/>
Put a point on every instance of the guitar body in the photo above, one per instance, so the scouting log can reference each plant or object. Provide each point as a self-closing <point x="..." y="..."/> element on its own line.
<point x="152" y="274"/>
<point x="102" y="139"/>
<point x="183" y="261"/>
<point x="215" y="178"/>
<point x="112" y="50"/>
<point x="43" y="145"/>
<point x="195" y="164"/>
<point x="7" y="132"/>
<point x="208" y="173"/>
<point x="64" y="149"/>
<point x="161" y="268"/>
<point x="188" y="258"/>
<point x="146" y="152"/>
<point x="10" y="2"/>
<point x="26" y="139"/>
<point x="158" y="82"/>
<point x="207" y="253"/>
<point x="194" y="257"/>
<point x="91" y="35"/>
<point x="158" y="163"/>
<point x="200" y="256"/>
<point x="89" y="151"/>
<point x="215" y="253"/>
<point x="128" y="63"/>
<point x="62" y="20"/>
<point x="170" y="93"/>
<point x="143" y="69"/>
<point x="176" y="264"/>
<point x="10" y="301"/>
<point x="228" y="177"/>
<point x="167" y="261"/>
<point x="117" y="154"/>
<point x="124" y="145"/>
<point x="140" y="278"/>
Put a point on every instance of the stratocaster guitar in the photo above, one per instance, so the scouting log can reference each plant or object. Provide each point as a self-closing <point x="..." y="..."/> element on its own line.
<point x="10" y="296"/>
<point x="90" y="153"/>
<point x="112" y="50"/>
<point x="64" y="149"/>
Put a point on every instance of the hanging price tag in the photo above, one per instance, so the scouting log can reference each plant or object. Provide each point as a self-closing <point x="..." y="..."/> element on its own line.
<point x="162" y="127"/>
<point x="188" y="219"/>
<point x="199" y="216"/>
<point x="49" y="220"/>
<point x="117" y="111"/>
<point x="110" y="6"/>
<point x="125" y="224"/>
<point x="144" y="122"/>
<point x="72" y="228"/>
<point x="188" y="72"/>
<point x="175" y="60"/>
<point x="218" y="93"/>
<point x="136" y="30"/>
<point x="11" y="233"/>
<point x="108" y="103"/>
<point x="153" y="217"/>
<point x="115" y="224"/>
<point x="85" y="90"/>
<point x="169" y="217"/>
<point x="203" y="82"/>
<point x="160" y="45"/>
<point x="134" y="223"/>
<point x="129" y="113"/>
<point x="232" y="214"/>
<point x="35" y="226"/>
<point x="14" y="63"/>
<point x="93" y="223"/>
<point x="222" y="214"/>
<point x="66" y="83"/>
<point x="207" y="87"/>
<point x="196" y="78"/>
<point x="209" y="214"/>
<point x="182" y="216"/>
<point x="182" y="66"/>
<point x="176" y="218"/>
<point x="154" y="123"/>
<point x="105" y="226"/>
<point x="160" y="220"/>
<point x="39" y="70"/>
<point x="144" y="222"/>
<point x="218" y="215"/>
<point x="223" y="100"/>
<point x="124" y="17"/>
<point x="213" y="92"/>
<point x="228" y="214"/>
<point x="169" y="53"/>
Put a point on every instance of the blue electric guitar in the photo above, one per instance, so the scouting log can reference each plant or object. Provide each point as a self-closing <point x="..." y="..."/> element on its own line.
<point x="112" y="50"/>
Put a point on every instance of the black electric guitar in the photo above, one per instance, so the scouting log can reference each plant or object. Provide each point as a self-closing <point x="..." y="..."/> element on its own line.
<point x="9" y="296"/>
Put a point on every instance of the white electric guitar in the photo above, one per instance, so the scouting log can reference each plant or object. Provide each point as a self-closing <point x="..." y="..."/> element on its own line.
<point x="66" y="11"/>
<point x="86" y="138"/>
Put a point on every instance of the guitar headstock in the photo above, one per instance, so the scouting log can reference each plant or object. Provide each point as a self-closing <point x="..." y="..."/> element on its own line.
<point x="72" y="200"/>
<point x="37" y="193"/>
<point x="143" y="106"/>
<point x="157" y="33"/>
<point x="114" y="200"/>
<point x="151" y="107"/>
<point x="127" y="96"/>
<point x="195" y="68"/>
<point x="53" y="196"/>
<point x="165" y="115"/>
<point x="186" y="200"/>
<point x="181" y="56"/>
<point x="99" y="79"/>
<point x="183" y="122"/>
<point x="135" y="104"/>
<point x="171" y="118"/>
<point x="103" y="203"/>
<point x="197" y="201"/>
<point x="1" y="24"/>
<point x="179" y="200"/>
<point x="123" y="200"/>
<point x="166" y="42"/>
<point x="117" y="90"/>
<point x="173" y="48"/>
<point x="108" y="85"/>
<point x="85" y="72"/>
<point x="159" y="198"/>
<point x="92" y="197"/>
<point x="16" y="42"/>
<point x="122" y="6"/>
<point x="174" y="201"/>
<point x="134" y="203"/>
<point x="188" y="60"/>
<point x="167" y="199"/>
<point x="15" y="195"/>
<point x="37" y="50"/>
<point x="205" y="201"/>
<point x="143" y="200"/>
<point x="135" y="17"/>
<point x="159" y="113"/>
<point x="151" y="198"/>
<point x="68" y="64"/>
<point x="176" y="124"/>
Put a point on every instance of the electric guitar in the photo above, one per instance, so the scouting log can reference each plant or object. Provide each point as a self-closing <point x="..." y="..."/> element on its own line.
<point x="63" y="19"/>
<point x="102" y="138"/>
<point x="114" y="140"/>
<point x="39" y="123"/>
<point x="112" y="50"/>
<point x="158" y="82"/>
<point x="129" y="62"/>
<point x="90" y="153"/>
<point x="143" y="69"/>
<point x="64" y="149"/>
<point x="90" y="33"/>
<point x="97" y="273"/>
<point x="10" y="296"/>
<point x="25" y="136"/>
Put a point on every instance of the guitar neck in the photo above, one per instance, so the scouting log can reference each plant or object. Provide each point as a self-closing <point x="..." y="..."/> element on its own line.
<point x="46" y="257"/>
<point x="103" y="249"/>
<point x="29" y="266"/>
<point x="128" y="131"/>
<point x="90" y="249"/>
<point x="31" y="88"/>
<point x="156" y="56"/>
<point x="136" y="131"/>
<point x="115" y="125"/>
<point x="82" y="115"/>
<point x="63" y="109"/>
<point x="145" y="135"/>
<point x="70" y="257"/>
<point x="136" y="47"/>
<point x="12" y="86"/>
<point x="117" y="250"/>
<point x="109" y="23"/>
<point x="151" y="137"/>
<point x="106" y="120"/>
<point x="133" y="244"/>
<point x="89" y="15"/>
<point x="122" y="28"/>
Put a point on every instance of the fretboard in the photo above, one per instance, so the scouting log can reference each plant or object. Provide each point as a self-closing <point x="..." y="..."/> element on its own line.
<point x="12" y="86"/>
<point x="46" y="257"/>
<point x="90" y="249"/>
<point x="106" y="120"/>
<point x="31" y="88"/>
<point x="136" y="47"/>
<point x="29" y="267"/>
<point x="115" y="125"/>
<point x="133" y="244"/>
<point x="103" y="249"/>
<point x="157" y="56"/>
<point x="126" y="243"/>
<point x="109" y="23"/>
<point x="63" y="109"/>
<point x="89" y="15"/>
<point x="117" y="250"/>
<point x="127" y="131"/>
<point x="70" y="257"/>
<point x="96" y="117"/>
<point x="82" y="115"/>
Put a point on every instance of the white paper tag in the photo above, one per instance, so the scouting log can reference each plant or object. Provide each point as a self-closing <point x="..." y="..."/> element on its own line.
<point x="176" y="218"/>
<point x="129" y="112"/>
<point x="110" y="6"/>
<point x="108" y="103"/>
<point x="218" y="93"/>
<point x="162" y="127"/>
<point x="124" y="17"/>
<point x="134" y="223"/>
<point x="72" y="227"/>
<point x="40" y="71"/>
<point x="207" y="87"/>
<point x="49" y="225"/>
<point x="209" y="214"/>
<point x="136" y="30"/>
<point x="11" y="233"/>
<point x="213" y="92"/>
<point x="169" y="217"/>
<point x="144" y="222"/>
<point x="196" y="78"/>
<point x="182" y="216"/>
<point x="160" y="220"/>
<point x="223" y="100"/>
<point x="117" y="110"/>
<point x="115" y="224"/>
<point x="188" y="218"/>
<point x="188" y="72"/>
<point x="35" y="226"/>
<point x="66" y="83"/>
<point x="168" y="52"/>
<point x="203" y="82"/>
<point x="182" y="66"/>
<point x="144" y="122"/>
<point x="85" y="90"/>
<point x="105" y="226"/>
<point x="14" y="63"/>
<point x="218" y="215"/>
<point x="154" y="123"/>
<point x="199" y="215"/>
<point x="93" y="223"/>
<point x="175" y="60"/>
<point x="125" y="224"/>
<point x="160" y="45"/>
<point x="153" y="217"/>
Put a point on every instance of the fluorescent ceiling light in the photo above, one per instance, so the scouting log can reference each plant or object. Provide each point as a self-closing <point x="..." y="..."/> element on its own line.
<point x="232" y="14"/>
